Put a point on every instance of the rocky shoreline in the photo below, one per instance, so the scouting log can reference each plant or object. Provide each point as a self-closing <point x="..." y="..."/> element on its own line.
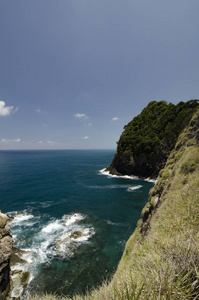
<point x="13" y="280"/>
<point x="6" y="244"/>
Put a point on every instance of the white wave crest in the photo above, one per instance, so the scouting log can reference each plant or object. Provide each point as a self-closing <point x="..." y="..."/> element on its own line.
<point x="67" y="243"/>
<point x="151" y="180"/>
<point x="21" y="218"/>
<point x="59" y="237"/>
<point x="71" y="219"/>
<point x="52" y="227"/>
<point x="107" y="173"/>
<point x="133" y="188"/>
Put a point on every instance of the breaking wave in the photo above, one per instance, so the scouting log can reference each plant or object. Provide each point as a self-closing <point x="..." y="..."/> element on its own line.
<point x="107" y="173"/>
<point x="133" y="188"/>
<point x="56" y="238"/>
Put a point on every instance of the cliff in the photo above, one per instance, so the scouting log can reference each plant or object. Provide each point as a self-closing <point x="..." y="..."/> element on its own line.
<point x="148" y="139"/>
<point x="6" y="244"/>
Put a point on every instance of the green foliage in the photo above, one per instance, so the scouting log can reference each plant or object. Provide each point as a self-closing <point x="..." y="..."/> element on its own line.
<point x="156" y="128"/>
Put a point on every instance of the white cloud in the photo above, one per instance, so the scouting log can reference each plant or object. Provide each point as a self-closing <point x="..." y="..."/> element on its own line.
<point x="6" y="110"/>
<point x="6" y="141"/>
<point x="17" y="140"/>
<point x="46" y="142"/>
<point x="90" y="124"/>
<point x="115" y="118"/>
<point x="85" y="137"/>
<point x="80" y="116"/>
<point x="38" y="110"/>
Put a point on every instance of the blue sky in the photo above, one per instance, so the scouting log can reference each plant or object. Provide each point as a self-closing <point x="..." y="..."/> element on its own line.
<point x="73" y="73"/>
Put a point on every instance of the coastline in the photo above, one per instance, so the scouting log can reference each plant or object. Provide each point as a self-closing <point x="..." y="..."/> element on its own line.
<point x="165" y="241"/>
<point x="109" y="174"/>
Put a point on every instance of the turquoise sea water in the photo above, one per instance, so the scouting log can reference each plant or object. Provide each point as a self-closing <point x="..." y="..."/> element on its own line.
<point x="71" y="218"/>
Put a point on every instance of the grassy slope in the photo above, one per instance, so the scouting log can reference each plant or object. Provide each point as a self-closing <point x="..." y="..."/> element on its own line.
<point x="161" y="258"/>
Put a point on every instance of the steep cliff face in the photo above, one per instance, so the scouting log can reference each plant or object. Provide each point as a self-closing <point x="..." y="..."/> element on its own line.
<point x="148" y="139"/>
<point x="6" y="244"/>
<point x="182" y="163"/>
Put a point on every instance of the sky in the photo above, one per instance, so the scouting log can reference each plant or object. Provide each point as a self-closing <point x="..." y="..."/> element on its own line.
<point x="74" y="72"/>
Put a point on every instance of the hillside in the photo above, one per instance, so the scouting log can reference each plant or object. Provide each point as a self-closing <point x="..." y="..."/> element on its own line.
<point x="161" y="258"/>
<point x="148" y="139"/>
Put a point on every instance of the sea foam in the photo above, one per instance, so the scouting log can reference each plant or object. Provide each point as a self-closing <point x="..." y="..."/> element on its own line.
<point x="21" y="218"/>
<point x="107" y="173"/>
<point x="133" y="188"/>
<point x="52" y="227"/>
<point x="71" y="219"/>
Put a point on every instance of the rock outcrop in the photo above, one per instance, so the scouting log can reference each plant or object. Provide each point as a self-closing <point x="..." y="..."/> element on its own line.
<point x="6" y="243"/>
<point x="149" y="138"/>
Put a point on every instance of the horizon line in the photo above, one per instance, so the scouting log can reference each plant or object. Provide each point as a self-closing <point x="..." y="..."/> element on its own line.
<point x="76" y="149"/>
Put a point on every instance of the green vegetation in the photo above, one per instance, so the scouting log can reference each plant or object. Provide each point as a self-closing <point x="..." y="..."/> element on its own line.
<point x="148" y="139"/>
<point x="161" y="258"/>
<point x="158" y="123"/>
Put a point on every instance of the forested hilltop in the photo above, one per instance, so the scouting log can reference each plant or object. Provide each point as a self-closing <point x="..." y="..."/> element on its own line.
<point x="148" y="139"/>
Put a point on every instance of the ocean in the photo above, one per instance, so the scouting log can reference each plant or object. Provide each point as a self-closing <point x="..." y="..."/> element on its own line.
<point x="71" y="218"/>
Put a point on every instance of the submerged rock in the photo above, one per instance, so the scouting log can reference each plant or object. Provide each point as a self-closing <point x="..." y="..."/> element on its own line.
<point x="78" y="233"/>
<point x="67" y="246"/>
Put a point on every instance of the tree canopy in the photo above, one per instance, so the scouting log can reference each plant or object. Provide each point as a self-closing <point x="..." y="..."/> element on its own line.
<point x="158" y="124"/>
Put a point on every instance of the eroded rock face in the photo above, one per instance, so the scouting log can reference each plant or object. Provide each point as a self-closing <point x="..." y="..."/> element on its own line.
<point x="6" y="244"/>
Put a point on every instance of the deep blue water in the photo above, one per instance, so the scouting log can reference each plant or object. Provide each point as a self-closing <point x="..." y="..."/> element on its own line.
<point x="71" y="219"/>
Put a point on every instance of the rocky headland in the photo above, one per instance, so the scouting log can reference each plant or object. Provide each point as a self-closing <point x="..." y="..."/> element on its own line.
<point x="149" y="138"/>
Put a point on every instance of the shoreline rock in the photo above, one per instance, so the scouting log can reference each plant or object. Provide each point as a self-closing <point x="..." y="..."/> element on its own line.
<point x="6" y="244"/>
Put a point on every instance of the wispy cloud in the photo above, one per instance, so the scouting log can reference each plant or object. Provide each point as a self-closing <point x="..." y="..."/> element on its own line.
<point x="46" y="142"/>
<point x="6" y="110"/>
<point x="85" y="137"/>
<point x="81" y="116"/>
<point x="115" y="118"/>
<point x="6" y="141"/>
<point x="38" y="110"/>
